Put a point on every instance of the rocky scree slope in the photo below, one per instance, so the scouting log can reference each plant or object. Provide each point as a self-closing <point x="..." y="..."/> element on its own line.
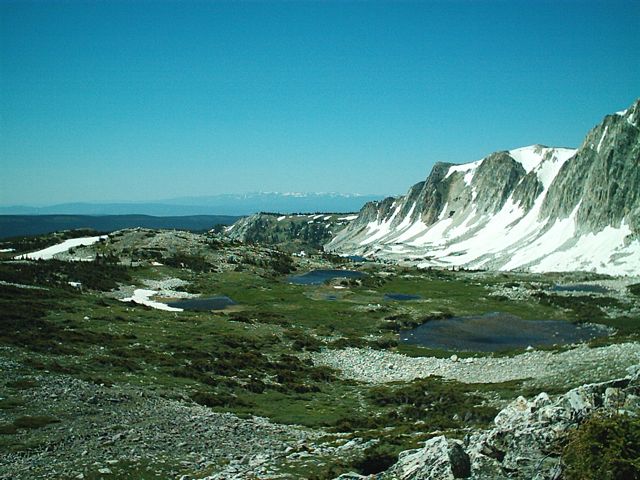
<point x="534" y="208"/>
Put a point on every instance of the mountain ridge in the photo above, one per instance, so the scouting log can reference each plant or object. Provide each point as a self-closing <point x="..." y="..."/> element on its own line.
<point x="533" y="208"/>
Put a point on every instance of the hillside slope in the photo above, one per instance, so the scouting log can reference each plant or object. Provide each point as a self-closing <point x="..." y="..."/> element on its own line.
<point x="292" y="233"/>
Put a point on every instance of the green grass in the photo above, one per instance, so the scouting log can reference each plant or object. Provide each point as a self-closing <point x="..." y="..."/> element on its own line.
<point x="245" y="360"/>
<point x="462" y="296"/>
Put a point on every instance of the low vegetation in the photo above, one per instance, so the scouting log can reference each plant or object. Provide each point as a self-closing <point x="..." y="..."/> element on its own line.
<point x="254" y="358"/>
<point x="604" y="448"/>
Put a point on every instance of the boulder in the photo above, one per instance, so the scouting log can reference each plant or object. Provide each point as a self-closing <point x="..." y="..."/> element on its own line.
<point x="439" y="459"/>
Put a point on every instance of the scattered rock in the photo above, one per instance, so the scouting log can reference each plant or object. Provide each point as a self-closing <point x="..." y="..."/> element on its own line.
<point x="575" y="365"/>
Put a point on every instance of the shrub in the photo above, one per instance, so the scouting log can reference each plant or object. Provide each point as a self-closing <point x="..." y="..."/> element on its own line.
<point x="604" y="448"/>
<point x="192" y="262"/>
<point x="434" y="401"/>
<point x="585" y="308"/>
<point x="376" y="459"/>
<point x="219" y="400"/>
<point x="23" y="384"/>
<point x="8" y="429"/>
<point x="31" y="422"/>
<point x="634" y="289"/>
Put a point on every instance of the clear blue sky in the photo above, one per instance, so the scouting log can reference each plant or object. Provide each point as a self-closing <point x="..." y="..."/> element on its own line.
<point x="106" y="101"/>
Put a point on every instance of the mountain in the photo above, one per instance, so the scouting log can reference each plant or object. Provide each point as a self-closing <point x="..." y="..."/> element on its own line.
<point x="227" y="204"/>
<point x="534" y="208"/>
<point x="291" y="233"/>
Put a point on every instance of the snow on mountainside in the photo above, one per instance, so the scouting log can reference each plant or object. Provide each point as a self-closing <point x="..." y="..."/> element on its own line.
<point x="533" y="208"/>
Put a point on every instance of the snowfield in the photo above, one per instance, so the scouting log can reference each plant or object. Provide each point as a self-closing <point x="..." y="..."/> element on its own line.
<point x="49" y="252"/>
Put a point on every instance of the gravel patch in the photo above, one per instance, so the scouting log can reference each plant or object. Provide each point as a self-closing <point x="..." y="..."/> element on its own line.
<point x="124" y="429"/>
<point x="580" y="364"/>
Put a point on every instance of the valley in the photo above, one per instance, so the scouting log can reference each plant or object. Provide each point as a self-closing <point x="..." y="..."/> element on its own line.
<point x="293" y="380"/>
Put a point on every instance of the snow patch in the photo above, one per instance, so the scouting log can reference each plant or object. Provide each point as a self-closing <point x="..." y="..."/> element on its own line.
<point x="143" y="296"/>
<point x="414" y="230"/>
<point x="597" y="252"/>
<point x="469" y="170"/>
<point x="602" y="138"/>
<point x="548" y="169"/>
<point x="434" y="235"/>
<point x="406" y="221"/>
<point x="380" y="229"/>
<point x="49" y="252"/>
<point x="561" y="232"/>
<point x="529" y="157"/>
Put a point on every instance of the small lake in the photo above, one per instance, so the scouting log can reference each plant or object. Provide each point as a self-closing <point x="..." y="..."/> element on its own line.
<point x="580" y="288"/>
<point x="357" y="258"/>
<point x="203" y="304"/>
<point x="497" y="331"/>
<point x="318" y="277"/>
<point x="402" y="297"/>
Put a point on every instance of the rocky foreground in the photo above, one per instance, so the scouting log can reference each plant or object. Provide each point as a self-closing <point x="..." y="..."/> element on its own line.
<point x="98" y="431"/>
<point x="524" y="440"/>
<point x="103" y="432"/>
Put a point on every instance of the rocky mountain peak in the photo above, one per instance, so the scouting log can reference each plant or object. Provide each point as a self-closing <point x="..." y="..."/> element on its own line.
<point x="602" y="182"/>
<point x="537" y="208"/>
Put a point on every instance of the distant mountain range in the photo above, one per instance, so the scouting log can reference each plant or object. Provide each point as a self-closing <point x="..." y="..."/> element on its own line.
<point x="533" y="208"/>
<point x="227" y="204"/>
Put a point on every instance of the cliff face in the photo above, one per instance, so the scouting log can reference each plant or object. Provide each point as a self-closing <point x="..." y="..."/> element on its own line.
<point x="603" y="178"/>
<point x="533" y="208"/>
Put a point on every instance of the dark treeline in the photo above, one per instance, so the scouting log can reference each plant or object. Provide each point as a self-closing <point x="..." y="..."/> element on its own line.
<point x="21" y="225"/>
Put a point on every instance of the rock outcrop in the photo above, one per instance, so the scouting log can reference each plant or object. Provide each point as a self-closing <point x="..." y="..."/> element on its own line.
<point x="292" y="233"/>
<point x="534" y="208"/>
<point x="525" y="440"/>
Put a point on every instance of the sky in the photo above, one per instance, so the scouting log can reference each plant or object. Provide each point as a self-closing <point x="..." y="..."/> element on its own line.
<point x="140" y="101"/>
